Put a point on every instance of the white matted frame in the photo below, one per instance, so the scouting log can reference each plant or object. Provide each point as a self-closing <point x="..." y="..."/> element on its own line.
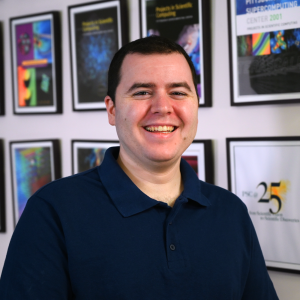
<point x="188" y="24"/>
<point x="199" y="157"/>
<point x="264" y="173"/>
<point x="33" y="164"/>
<point x="264" y="50"/>
<point x="36" y="63"/>
<point x="97" y="31"/>
<point x="87" y="154"/>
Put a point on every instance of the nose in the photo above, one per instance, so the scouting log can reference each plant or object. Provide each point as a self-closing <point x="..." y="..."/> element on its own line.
<point x="161" y="104"/>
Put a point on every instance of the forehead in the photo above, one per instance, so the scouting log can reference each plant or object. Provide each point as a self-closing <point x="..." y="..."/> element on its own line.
<point x="155" y="67"/>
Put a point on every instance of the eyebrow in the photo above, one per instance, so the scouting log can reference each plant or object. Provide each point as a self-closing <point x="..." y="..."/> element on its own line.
<point x="151" y="85"/>
<point x="140" y="85"/>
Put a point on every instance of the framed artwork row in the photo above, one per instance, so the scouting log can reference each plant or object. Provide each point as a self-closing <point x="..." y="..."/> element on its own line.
<point x="97" y="31"/>
<point x="87" y="154"/>
<point x="187" y="24"/>
<point x="264" y="47"/>
<point x="33" y="164"/>
<point x="36" y="63"/>
<point x="264" y="173"/>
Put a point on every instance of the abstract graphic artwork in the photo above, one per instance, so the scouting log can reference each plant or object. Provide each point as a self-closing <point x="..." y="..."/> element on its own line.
<point x="34" y="164"/>
<point x="35" y="63"/>
<point x="261" y="44"/>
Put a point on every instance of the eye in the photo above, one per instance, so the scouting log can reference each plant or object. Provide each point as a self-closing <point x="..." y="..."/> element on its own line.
<point x="141" y="93"/>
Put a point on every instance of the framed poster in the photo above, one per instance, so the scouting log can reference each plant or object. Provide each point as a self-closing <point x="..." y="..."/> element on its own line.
<point x="87" y="154"/>
<point x="188" y="24"/>
<point x="264" y="49"/>
<point x="36" y="64"/>
<point x="33" y="164"/>
<point x="97" y="31"/>
<point x="264" y="173"/>
<point x="2" y="111"/>
<point x="199" y="157"/>
<point x="2" y="190"/>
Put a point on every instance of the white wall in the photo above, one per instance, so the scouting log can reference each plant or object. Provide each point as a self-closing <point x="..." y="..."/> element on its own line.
<point x="216" y="123"/>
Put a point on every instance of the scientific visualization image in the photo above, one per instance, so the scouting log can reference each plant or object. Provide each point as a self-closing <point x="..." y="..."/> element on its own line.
<point x="180" y="24"/>
<point x="273" y="64"/>
<point x="89" y="158"/>
<point x="96" y="43"/>
<point x="34" y="64"/>
<point x="32" y="171"/>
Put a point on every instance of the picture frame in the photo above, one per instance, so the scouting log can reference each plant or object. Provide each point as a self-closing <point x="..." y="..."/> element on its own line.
<point x="36" y="63"/>
<point x="2" y="93"/>
<point x="2" y="189"/>
<point x="187" y="24"/>
<point x="34" y="163"/>
<point x="264" y="173"/>
<point x="87" y="154"/>
<point x="97" y="31"/>
<point x="200" y="157"/>
<point x="264" y="52"/>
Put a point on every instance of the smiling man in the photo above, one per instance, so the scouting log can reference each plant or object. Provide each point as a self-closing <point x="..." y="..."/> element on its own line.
<point x="142" y="225"/>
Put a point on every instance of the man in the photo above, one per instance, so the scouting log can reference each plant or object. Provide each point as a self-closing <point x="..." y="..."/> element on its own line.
<point x="140" y="226"/>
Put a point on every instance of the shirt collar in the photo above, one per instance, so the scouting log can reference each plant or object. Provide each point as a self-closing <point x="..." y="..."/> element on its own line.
<point x="128" y="198"/>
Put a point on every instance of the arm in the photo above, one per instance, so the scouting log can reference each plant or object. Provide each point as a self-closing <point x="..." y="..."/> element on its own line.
<point x="36" y="265"/>
<point x="258" y="285"/>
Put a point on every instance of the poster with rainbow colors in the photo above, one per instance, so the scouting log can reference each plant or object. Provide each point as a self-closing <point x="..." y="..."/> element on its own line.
<point x="264" y="51"/>
<point x="34" y="64"/>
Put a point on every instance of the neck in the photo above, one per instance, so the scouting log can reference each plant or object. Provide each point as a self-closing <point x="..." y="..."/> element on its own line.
<point x="160" y="181"/>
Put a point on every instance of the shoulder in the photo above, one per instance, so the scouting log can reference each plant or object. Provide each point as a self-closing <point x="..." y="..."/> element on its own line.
<point x="70" y="188"/>
<point x="224" y="201"/>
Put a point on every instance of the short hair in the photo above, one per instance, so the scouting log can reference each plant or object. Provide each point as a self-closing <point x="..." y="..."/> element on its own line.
<point x="145" y="46"/>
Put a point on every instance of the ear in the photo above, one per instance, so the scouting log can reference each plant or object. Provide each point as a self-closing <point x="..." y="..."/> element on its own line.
<point x="111" y="110"/>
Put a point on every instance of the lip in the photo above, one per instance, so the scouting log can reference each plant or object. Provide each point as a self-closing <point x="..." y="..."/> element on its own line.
<point x="160" y="125"/>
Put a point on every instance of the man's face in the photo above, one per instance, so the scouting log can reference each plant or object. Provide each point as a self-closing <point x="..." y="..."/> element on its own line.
<point x="156" y="107"/>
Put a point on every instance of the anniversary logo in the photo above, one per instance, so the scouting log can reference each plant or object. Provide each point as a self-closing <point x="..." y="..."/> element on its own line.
<point x="265" y="176"/>
<point x="266" y="57"/>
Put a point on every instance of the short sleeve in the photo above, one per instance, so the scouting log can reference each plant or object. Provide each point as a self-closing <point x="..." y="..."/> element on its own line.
<point x="36" y="266"/>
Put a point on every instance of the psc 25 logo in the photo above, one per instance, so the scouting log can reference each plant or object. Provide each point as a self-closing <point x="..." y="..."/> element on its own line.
<point x="276" y="192"/>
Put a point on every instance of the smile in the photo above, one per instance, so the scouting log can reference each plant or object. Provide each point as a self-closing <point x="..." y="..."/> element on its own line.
<point x="165" y="129"/>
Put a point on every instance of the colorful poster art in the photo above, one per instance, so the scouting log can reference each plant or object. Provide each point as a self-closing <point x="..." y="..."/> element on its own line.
<point x="33" y="166"/>
<point x="264" y="174"/>
<point x="89" y="154"/>
<point x="95" y="31"/>
<point x="34" y="65"/>
<point x="199" y="156"/>
<point x="265" y="51"/>
<point x="181" y="22"/>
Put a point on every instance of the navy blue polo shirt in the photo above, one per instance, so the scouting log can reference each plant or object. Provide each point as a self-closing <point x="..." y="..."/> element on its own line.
<point x="95" y="235"/>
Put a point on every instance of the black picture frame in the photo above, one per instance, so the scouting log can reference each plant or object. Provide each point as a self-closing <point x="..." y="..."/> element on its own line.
<point x="2" y="189"/>
<point x="188" y="32"/>
<point x="199" y="155"/>
<point x="264" y="53"/>
<point x="263" y="172"/>
<point x="87" y="154"/>
<point x="2" y="91"/>
<point x="103" y="24"/>
<point x="34" y="163"/>
<point x="36" y="63"/>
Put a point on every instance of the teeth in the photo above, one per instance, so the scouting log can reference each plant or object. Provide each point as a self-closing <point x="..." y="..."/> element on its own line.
<point x="160" y="128"/>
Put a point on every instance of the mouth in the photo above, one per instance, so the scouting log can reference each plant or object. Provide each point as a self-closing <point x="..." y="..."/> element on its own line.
<point x="161" y="129"/>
